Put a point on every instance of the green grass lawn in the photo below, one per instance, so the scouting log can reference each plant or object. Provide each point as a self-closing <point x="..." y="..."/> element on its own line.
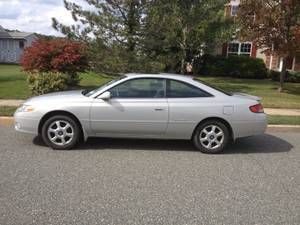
<point x="286" y="120"/>
<point x="13" y="83"/>
<point x="13" y="86"/>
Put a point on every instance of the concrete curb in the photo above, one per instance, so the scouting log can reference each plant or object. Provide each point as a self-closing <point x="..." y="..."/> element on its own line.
<point x="9" y="121"/>
<point x="283" y="128"/>
<point x="6" y="120"/>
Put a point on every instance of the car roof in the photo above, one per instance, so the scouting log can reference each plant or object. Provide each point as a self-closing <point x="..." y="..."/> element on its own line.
<point x="161" y="75"/>
<point x="183" y="78"/>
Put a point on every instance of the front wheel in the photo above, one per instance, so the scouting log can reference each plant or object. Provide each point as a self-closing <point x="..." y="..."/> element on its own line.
<point x="211" y="137"/>
<point x="60" y="132"/>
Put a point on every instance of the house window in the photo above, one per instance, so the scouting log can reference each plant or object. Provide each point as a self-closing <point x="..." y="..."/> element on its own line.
<point x="279" y="63"/>
<point x="245" y="48"/>
<point x="234" y="10"/>
<point x="21" y="44"/>
<point x="239" y="48"/>
<point x="233" y="48"/>
<point x="289" y="62"/>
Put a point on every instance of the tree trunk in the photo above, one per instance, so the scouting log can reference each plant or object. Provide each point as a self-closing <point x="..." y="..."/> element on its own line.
<point x="183" y="49"/>
<point x="182" y="66"/>
<point x="132" y="25"/>
<point x="282" y="74"/>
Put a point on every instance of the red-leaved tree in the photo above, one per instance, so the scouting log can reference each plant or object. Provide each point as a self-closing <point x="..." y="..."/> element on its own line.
<point x="56" y="55"/>
<point x="274" y="25"/>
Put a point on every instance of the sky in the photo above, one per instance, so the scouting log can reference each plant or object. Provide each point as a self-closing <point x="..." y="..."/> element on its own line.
<point x="33" y="15"/>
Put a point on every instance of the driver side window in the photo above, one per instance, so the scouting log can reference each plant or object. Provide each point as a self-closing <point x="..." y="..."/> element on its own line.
<point x="140" y="88"/>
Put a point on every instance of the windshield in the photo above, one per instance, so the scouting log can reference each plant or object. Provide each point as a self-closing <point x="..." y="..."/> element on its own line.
<point x="89" y="93"/>
<point x="214" y="87"/>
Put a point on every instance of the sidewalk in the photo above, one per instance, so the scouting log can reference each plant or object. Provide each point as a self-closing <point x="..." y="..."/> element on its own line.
<point x="269" y="111"/>
<point x="10" y="102"/>
<point x="283" y="112"/>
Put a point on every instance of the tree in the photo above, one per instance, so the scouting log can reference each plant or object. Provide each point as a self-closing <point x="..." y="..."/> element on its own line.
<point x="111" y="27"/>
<point x="182" y="30"/>
<point x="273" y="25"/>
<point x="56" y="55"/>
<point x="140" y="35"/>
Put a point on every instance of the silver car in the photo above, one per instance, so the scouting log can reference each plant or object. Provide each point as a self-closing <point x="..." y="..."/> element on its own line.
<point x="158" y="106"/>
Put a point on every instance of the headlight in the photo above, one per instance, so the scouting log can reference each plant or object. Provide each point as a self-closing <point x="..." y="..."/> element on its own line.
<point x="26" y="108"/>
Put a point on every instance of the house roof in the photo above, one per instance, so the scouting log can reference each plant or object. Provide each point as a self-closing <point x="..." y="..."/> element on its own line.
<point x="13" y="34"/>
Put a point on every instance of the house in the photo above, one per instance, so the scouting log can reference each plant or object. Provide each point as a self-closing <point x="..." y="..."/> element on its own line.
<point x="248" y="48"/>
<point x="12" y="44"/>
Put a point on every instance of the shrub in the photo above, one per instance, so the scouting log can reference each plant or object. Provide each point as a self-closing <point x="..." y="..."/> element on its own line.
<point x="45" y="82"/>
<point x="233" y="66"/>
<point x="293" y="77"/>
<point x="56" y="55"/>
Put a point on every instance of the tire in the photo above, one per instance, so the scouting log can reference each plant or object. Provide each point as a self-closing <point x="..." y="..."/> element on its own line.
<point x="211" y="137"/>
<point x="61" y="132"/>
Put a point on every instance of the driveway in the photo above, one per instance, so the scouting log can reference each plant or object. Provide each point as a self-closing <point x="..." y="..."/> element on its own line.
<point x="115" y="181"/>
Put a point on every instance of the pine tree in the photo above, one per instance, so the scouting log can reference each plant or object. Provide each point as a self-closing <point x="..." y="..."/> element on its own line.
<point x="111" y="27"/>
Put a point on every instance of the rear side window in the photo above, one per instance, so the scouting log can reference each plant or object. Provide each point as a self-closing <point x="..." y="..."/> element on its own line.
<point x="211" y="86"/>
<point x="178" y="89"/>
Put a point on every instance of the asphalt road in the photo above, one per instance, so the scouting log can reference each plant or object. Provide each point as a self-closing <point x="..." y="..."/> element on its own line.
<point x="107" y="181"/>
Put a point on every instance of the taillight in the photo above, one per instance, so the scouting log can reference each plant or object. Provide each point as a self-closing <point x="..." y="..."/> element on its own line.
<point x="258" y="108"/>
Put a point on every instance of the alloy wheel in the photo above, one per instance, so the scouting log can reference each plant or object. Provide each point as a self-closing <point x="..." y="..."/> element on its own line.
<point x="211" y="137"/>
<point x="60" y="132"/>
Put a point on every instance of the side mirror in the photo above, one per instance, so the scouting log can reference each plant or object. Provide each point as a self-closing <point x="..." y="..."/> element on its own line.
<point x="105" y="96"/>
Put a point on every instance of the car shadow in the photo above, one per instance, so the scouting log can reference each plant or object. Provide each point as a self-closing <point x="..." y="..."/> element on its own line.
<point x="266" y="143"/>
<point x="95" y="143"/>
<point x="257" y="144"/>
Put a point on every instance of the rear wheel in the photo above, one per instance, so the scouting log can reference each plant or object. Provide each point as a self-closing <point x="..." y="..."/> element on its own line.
<point x="211" y="136"/>
<point x="60" y="132"/>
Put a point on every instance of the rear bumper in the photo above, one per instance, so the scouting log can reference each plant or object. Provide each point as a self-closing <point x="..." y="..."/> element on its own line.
<point x="250" y="128"/>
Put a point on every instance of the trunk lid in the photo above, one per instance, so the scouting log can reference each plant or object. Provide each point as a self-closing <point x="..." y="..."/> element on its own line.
<point x="246" y="96"/>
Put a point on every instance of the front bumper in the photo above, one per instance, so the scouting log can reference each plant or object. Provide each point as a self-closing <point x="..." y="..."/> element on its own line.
<point x="25" y="123"/>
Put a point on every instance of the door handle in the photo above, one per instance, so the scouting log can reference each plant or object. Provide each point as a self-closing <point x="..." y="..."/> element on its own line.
<point x="158" y="109"/>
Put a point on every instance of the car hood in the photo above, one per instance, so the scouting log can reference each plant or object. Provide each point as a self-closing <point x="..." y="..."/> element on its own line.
<point x="246" y="96"/>
<point x="57" y="97"/>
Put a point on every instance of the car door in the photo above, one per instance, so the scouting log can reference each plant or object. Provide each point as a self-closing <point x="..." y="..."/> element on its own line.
<point x="187" y="106"/>
<point x="136" y="107"/>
